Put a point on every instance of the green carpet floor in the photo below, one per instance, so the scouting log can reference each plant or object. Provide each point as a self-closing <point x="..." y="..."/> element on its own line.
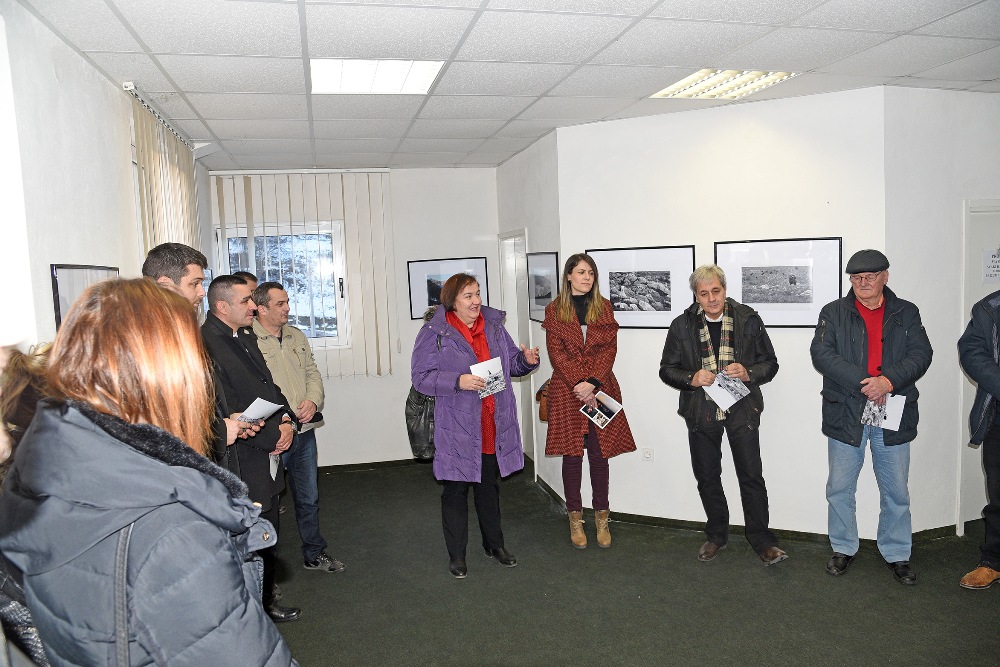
<point x="645" y="601"/>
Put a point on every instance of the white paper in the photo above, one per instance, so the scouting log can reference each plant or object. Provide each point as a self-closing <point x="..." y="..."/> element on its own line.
<point x="274" y="466"/>
<point x="991" y="266"/>
<point x="885" y="416"/>
<point x="725" y="391"/>
<point x="607" y="408"/>
<point x="490" y="370"/>
<point x="259" y="409"/>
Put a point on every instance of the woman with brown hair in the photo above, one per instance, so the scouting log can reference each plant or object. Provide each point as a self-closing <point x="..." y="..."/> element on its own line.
<point x="135" y="548"/>
<point x="581" y="335"/>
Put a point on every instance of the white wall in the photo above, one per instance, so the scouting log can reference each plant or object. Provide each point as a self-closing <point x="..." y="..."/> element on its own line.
<point x="73" y="134"/>
<point x="437" y="213"/>
<point x="803" y="167"/>
<point x="942" y="147"/>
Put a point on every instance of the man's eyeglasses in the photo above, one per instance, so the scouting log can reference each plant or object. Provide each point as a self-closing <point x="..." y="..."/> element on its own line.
<point x="860" y="278"/>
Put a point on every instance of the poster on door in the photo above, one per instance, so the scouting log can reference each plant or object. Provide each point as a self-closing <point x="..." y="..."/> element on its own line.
<point x="991" y="266"/>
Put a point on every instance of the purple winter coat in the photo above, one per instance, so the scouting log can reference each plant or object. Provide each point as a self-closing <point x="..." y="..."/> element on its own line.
<point x="458" y="437"/>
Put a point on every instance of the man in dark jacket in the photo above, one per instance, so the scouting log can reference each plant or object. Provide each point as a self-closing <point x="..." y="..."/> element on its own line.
<point x="721" y="338"/>
<point x="979" y="354"/>
<point x="244" y="377"/>
<point x="869" y="345"/>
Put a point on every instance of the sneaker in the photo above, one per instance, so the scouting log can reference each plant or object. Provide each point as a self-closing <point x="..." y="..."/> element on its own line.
<point x="325" y="563"/>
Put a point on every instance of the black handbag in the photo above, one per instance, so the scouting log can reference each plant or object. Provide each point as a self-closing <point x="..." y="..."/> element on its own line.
<point x="420" y="424"/>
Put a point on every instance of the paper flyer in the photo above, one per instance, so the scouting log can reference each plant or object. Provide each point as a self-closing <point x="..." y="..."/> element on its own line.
<point x="490" y="370"/>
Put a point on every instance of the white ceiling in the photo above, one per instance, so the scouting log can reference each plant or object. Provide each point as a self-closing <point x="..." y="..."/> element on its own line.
<point x="235" y="72"/>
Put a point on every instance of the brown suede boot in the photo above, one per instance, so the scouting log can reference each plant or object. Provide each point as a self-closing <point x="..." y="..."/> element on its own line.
<point x="603" y="532"/>
<point x="576" y="534"/>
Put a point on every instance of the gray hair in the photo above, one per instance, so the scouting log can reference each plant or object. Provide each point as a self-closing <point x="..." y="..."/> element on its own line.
<point x="706" y="273"/>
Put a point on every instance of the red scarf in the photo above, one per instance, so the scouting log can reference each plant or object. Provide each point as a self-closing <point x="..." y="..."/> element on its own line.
<point x="476" y="337"/>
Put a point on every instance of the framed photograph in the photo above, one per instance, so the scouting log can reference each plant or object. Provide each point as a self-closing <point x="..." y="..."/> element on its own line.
<point x="69" y="281"/>
<point x="647" y="287"/>
<point x="543" y="282"/>
<point x="427" y="276"/>
<point x="788" y="281"/>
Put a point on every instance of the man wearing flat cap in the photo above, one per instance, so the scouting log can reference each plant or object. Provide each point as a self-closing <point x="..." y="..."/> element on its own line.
<point x="869" y="345"/>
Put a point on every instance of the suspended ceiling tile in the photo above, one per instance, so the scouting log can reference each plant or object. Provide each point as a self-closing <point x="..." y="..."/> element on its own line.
<point x="260" y="129"/>
<point x="338" y="146"/>
<point x="529" y="129"/>
<point x="474" y="106"/>
<point x="906" y="55"/>
<point x="171" y="105"/>
<point x="800" y="49"/>
<point x="439" y="145"/>
<point x="334" y="107"/>
<point x="353" y="160"/>
<point x="487" y="159"/>
<point x="982" y="66"/>
<point x="491" y="78"/>
<point x="505" y="145"/>
<point x="268" y="147"/>
<point x="580" y="108"/>
<point x="232" y="74"/>
<point x="89" y="24"/>
<point x="249" y="105"/>
<point x="135" y="67"/>
<point x="982" y="20"/>
<point x="619" y="80"/>
<point x="609" y="7"/>
<point x="533" y="37"/>
<point x="194" y="129"/>
<point x="342" y="31"/>
<point x="737" y="11"/>
<point x="354" y="129"/>
<point x="426" y="159"/>
<point x="812" y="84"/>
<point x="433" y="128"/>
<point x="216" y="26"/>
<point x="882" y="15"/>
<point x="218" y="161"/>
<point x="944" y="84"/>
<point x="678" y="43"/>
<point x="648" y="107"/>
<point x="468" y="4"/>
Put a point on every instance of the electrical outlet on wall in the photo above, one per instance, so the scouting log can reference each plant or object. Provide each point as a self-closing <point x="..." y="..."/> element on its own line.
<point x="647" y="454"/>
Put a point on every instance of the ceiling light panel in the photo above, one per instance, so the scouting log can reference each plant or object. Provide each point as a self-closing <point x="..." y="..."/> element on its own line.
<point x="719" y="84"/>
<point x="334" y="76"/>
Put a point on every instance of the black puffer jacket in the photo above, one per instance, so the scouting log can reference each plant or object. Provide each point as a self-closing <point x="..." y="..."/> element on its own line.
<point x="193" y="585"/>
<point x="840" y="352"/>
<point x="751" y="347"/>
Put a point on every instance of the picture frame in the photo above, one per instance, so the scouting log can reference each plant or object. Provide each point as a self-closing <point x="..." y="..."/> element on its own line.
<point x="426" y="277"/>
<point x="70" y="280"/>
<point x="647" y="286"/>
<point x="787" y="281"/>
<point x="544" y="280"/>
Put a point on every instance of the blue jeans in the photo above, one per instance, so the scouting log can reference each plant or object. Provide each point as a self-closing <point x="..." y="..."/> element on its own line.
<point x="892" y="470"/>
<point x="300" y="463"/>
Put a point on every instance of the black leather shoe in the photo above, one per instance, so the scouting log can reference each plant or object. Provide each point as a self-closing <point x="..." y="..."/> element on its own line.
<point x="838" y="564"/>
<point x="903" y="572"/>
<point x="458" y="569"/>
<point x="281" y="614"/>
<point x="502" y="556"/>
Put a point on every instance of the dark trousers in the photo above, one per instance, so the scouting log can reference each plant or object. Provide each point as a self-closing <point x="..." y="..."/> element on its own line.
<point x="706" y="461"/>
<point x="455" y="510"/>
<point x="572" y="474"/>
<point x="269" y="555"/>
<point x="991" y="513"/>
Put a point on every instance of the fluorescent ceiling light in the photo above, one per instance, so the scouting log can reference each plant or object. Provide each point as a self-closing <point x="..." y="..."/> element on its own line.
<point x="723" y="84"/>
<point x="372" y="77"/>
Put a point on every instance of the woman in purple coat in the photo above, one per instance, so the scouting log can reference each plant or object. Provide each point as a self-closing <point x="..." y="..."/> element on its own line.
<point x="476" y="440"/>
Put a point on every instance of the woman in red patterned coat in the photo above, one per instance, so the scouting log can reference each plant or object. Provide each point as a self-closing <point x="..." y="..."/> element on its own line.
<point x="582" y="340"/>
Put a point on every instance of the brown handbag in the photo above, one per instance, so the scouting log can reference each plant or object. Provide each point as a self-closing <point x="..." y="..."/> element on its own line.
<point x="542" y="396"/>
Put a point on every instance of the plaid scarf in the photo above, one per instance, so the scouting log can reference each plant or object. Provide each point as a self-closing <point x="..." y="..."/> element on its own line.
<point x="709" y="362"/>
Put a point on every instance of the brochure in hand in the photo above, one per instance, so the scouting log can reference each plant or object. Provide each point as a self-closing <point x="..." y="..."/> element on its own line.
<point x="606" y="410"/>
<point x="492" y="371"/>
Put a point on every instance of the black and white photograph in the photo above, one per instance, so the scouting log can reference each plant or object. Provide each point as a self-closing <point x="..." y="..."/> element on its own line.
<point x="639" y="283"/>
<point x="427" y="276"/>
<point x="69" y="281"/>
<point x="639" y="290"/>
<point x="543" y="282"/>
<point x="787" y="281"/>
<point x="777" y="284"/>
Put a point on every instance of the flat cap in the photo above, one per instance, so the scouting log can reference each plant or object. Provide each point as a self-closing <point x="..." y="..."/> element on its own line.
<point x="867" y="261"/>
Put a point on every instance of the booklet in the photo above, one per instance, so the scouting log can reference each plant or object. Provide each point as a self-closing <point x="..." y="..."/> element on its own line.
<point x="725" y="391"/>
<point x="259" y="409"/>
<point x="885" y="416"/>
<point x="607" y="408"/>
<point x="492" y="371"/>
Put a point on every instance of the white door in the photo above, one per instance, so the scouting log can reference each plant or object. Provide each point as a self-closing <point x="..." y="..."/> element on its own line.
<point x="982" y="236"/>
<point x="514" y="300"/>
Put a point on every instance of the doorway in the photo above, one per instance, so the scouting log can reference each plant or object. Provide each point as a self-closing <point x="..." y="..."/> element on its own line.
<point x="514" y="300"/>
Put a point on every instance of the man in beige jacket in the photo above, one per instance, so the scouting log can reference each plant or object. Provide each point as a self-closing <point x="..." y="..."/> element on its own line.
<point x="290" y="360"/>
